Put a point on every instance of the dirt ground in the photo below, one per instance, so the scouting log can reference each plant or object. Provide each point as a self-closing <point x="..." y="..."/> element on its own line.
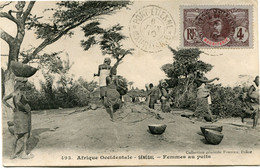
<point x="82" y="129"/>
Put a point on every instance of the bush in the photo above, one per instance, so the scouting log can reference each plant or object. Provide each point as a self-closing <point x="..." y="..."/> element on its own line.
<point x="225" y="100"/>
<point x="185" y="101"/>
<point x="37" y="100"/>
<point x="77" y="95"/>
<point x="52" y="98"/>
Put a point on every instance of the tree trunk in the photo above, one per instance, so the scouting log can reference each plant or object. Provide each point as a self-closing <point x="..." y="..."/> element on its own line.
<point x="14" y="50"/>
<point x="2" y="82"/>
<point x="9" y="77"/>
<point x="8" y="88"/>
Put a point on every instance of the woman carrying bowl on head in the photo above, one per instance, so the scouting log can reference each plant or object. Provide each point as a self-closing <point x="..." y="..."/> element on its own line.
<point x="21" y="117"/>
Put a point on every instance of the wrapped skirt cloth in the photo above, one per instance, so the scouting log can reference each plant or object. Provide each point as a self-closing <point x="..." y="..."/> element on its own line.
<point x="202" y="107"/>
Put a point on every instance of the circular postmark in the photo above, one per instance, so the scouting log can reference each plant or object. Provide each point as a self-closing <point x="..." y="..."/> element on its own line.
<point x="152" y="28"/>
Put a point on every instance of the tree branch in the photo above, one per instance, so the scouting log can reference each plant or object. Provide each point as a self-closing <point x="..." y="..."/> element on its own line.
<point x="5" y="4"/>
<point x="5" y="36"/>
<point x="46" y="42"/>
<point x="9" y="16"/>
<point x="28" y="10"/>
<point x="121" y="57"/>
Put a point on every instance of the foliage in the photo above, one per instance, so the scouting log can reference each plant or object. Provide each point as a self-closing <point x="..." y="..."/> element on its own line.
<point x="180" y="100"/>
<point x="185" y="62"/>
<point x="110" y="40"/>
<point x="136" y="93"/>
<point x="37" y="99"/>
<point x="68" y="15"/>
<point x="51" y="62"/>
<point x="182" y="74"/>
<point x="225" y="101"/>
<point x="90" y="86"/>
<point x="74" y="96"/>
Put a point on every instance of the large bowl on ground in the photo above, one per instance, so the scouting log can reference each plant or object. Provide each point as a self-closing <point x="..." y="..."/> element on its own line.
<point x="213" y="137"/>
<point x="157" y="128"/>
<point x="22" y="70"/>
<point x="211" y="127"/>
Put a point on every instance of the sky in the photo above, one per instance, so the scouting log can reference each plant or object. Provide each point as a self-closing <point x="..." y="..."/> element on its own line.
<point x="141" y="67"/>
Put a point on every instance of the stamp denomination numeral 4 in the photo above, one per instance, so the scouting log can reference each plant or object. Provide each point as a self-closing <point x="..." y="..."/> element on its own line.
<point x="216" y="27"/>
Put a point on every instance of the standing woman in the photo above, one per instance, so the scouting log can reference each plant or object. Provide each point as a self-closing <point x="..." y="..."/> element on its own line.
<point x="203" y="98"/>
<point x="103" y="72"/>
<point x="21" y="117"/>
<point x="164" y="96"/>
<point x="112" y="101"/>
<point x="253" y="94"/>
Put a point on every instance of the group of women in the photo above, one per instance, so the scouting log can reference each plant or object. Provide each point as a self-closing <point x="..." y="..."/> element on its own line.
<point x="159" y="92"/>
<point x="203" y="111"/>
<point x="112" y="100"/>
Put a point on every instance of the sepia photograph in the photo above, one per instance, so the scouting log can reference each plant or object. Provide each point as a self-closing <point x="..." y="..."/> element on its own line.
<point x="130" y="83"/>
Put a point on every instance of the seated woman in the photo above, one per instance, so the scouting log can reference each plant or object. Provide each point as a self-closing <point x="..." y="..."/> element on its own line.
<point x="112" y="99"/>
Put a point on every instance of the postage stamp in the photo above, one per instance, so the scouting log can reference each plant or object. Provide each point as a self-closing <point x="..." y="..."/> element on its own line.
<point x="129" y="83"/>
<point x="217" y="26"/>
<point x="152" y="28"/>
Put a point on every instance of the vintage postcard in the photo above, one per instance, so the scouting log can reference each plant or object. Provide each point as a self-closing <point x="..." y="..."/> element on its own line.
<point x="130" y="83"/>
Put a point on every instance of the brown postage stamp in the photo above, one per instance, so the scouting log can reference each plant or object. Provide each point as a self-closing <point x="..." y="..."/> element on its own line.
<point x="217" y="26"/>
<point x="129" y="83"/>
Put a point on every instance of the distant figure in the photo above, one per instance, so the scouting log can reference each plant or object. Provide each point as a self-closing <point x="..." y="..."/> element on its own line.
<point x="247" y="108"/>
<point x="203" y="101"/>
<point x="154" y="94"/>
<point x="112" y="99"/>
<point x="21" y="118"/>
<point x="103" y="72"/>
<point x="253" y="94"/>
<point x="165" y="106"/>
